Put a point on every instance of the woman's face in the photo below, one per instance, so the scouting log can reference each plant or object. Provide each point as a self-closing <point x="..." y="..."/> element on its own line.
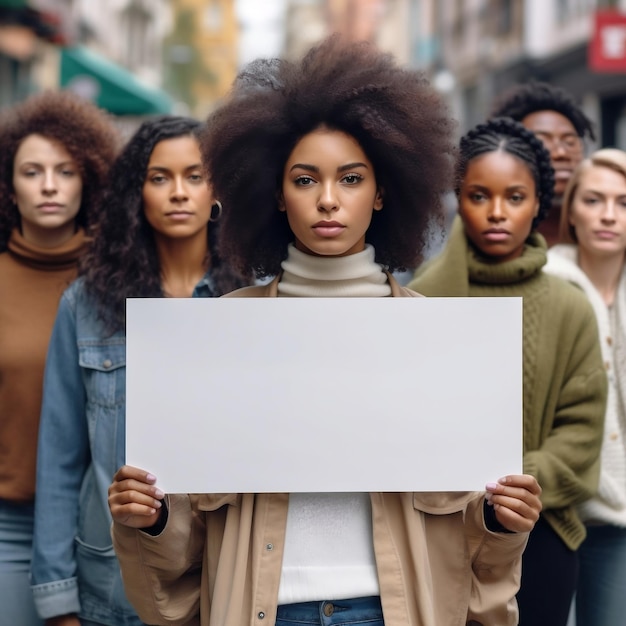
<point x="176" y="196"/>
<point x="329" y="193"/>
<point x="598" y="212"/>
<point x="498" y="203"/>
<point x="47" y="189"/>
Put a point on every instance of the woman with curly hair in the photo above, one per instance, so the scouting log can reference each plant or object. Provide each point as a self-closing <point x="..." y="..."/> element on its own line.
<point x="505" y="183"/>
<point x="55" y="156"/>
<point x="554" y="116"/>
<point x="592" y="255"/>
<point x="156" y="238"/>
<point x="331" y="169"/>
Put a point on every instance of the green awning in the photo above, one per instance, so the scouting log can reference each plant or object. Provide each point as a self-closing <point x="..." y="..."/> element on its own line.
<point x="13" y="4"/>
<point x="110" y="86"/>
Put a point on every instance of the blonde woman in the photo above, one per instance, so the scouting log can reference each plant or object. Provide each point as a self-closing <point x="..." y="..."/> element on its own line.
<point x="591" y="255"/>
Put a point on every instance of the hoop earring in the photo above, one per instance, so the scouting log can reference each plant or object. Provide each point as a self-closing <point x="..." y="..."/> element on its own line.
<point x="220" y="210"/>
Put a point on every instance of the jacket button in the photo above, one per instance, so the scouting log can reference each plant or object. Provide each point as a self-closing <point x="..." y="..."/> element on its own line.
<point x="261" y="615"/>
<point x="269" y="546"/>
<point x="107" y="363"/>
<point x="609" y="341"/>
<point x="614" y="436"/>
<point x="607" y="366"/>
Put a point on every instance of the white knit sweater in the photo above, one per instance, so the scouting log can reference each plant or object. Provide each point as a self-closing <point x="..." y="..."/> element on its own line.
<point x="352" y="276"/>
<point x="329" y="553"/>
<point x="609" y="506"/>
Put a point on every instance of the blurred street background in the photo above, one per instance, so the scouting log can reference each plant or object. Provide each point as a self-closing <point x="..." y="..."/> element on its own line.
<point x="137" y="58"/>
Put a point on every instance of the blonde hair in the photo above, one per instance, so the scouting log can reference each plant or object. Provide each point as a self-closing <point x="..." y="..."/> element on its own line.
<point x="610" y="158"/>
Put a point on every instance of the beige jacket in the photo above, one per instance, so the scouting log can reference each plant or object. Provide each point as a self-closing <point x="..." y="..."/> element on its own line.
<point x="218" y="560"/>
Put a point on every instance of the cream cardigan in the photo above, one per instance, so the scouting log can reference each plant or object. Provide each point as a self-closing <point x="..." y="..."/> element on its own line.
<point x="609" y="506"/>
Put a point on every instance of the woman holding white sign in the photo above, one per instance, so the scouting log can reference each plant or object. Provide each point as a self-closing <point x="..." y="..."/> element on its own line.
<point x="344" y="158"/>
<point x="156" y="239"/>
<point x="505" y="190"/>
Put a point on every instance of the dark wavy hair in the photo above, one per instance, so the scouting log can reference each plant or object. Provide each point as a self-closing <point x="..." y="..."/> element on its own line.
<point x="522" y="100"/>
<point x="85" y="131"/>
<point x="503" y="133"/>
<point x="398" y="119"/>
<point x="123" y="260"/>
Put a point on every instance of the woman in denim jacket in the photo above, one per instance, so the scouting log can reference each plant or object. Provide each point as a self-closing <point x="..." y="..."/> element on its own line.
<point x="156" y="239"/>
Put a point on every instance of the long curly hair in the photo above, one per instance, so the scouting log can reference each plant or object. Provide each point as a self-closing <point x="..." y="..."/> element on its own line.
<point x="399" y="120"/>
<point x="85" y="131"/>
<point x="522" y="100"/>
<point x="123" y="260"/>
<point x="505" y="134"/>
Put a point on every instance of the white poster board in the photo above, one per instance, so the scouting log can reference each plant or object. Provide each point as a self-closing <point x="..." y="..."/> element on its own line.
<point x="324" y="394"/>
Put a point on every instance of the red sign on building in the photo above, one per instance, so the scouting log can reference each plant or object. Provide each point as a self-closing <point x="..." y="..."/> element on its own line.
<point x="607" y="48"/>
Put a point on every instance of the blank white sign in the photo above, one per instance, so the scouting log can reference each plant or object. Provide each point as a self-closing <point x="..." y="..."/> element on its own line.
<point x="324" y="394"/>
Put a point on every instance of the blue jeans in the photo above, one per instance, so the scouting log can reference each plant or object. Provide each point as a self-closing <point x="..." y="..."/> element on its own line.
<point x="16" y="537"/>
<point x="355" y="611"/>
<point x="601" y="592"/>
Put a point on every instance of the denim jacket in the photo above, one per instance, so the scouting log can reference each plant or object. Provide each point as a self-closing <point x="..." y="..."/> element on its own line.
<point x="81" y="446"/>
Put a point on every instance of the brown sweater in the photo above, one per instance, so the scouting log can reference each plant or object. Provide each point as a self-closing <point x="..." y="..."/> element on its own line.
<point x="32" y="280"/>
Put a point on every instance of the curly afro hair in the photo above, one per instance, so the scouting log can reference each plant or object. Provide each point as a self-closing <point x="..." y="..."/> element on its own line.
<point x="505" y="134"/>
<point x="522" y="100"/>
<point x="85" y="131"/>
<point x="123" y="260"/>
<point x="399" y="120"/>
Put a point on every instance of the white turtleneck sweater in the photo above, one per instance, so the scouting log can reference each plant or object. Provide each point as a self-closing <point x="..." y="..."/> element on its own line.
<point x="329" y="553"/>
<point x="355" y="275"/>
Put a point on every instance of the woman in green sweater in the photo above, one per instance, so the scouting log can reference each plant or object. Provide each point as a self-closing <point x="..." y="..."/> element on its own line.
<point x="504" y="190"/>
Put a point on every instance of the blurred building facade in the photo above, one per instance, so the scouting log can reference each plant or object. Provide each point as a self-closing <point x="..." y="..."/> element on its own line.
<point x="116" y="56"/>
<point x="127" y="32"/>
<point x="30" y="37"/>
<point x="126" y="53"/>
<point x="111" y="53"/>
<point x="384" y="22"/>
<point x="201" y="52"/>
<point x="480" y="48"/>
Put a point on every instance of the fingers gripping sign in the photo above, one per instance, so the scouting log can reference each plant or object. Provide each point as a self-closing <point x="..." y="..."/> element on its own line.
<point x="516" y="501"/>
<point x="134" y="498"/>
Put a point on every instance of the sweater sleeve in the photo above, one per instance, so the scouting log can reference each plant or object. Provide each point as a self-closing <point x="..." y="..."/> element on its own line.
<point x="567" y="463"/>
<point x="162" y="573"/>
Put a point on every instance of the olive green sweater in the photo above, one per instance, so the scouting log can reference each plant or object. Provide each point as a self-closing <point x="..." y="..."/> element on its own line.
<point x="565" y="384"/>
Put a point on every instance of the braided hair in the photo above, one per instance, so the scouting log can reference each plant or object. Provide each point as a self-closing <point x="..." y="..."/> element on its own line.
<point x="505" y="134"/>
<point x="535" y="96"/>
<point x="123" y="260"/>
